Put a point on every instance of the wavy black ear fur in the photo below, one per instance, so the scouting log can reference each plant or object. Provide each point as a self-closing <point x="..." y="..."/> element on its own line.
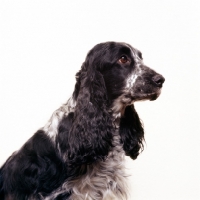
<point x="90" y="136"/>
<point x="131" y="132"/>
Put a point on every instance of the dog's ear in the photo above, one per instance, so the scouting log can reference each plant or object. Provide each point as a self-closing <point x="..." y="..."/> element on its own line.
<point x="90" y="136"/>
<point x="131" y="132"/>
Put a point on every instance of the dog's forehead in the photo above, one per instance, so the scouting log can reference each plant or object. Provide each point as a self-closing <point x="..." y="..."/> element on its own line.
<point x="134" y="51"/>
<point x="113" y="49"/>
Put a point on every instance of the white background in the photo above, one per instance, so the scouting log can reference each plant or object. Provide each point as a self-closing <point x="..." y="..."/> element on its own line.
<point x="43" y="44"/>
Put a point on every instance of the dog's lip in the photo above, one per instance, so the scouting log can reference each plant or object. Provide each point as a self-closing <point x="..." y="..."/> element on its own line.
<point x="150" y="96"/>
<point x="130" y="98"/>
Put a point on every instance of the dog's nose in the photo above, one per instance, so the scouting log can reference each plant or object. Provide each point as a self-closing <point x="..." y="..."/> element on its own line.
<point x="158" y="80"/>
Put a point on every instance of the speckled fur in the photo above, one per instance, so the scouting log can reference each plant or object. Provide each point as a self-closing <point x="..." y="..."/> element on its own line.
<point x="105" y="180"/>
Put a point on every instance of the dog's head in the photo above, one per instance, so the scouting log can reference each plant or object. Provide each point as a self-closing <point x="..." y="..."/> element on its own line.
<point x="126" y="77"/>
<point x="112" y="78"/>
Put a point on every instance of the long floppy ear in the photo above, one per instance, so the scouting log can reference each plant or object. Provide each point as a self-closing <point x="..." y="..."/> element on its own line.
<point x="90" y="136"/>
<point x="131" y="132"/>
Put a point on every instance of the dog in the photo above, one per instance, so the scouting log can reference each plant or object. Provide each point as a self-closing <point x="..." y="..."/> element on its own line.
<point x="79" y="154"/>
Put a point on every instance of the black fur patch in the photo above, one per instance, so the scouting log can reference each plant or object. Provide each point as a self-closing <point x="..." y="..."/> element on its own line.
<point x="131" y="132"/>
<point x="35" y="168"/>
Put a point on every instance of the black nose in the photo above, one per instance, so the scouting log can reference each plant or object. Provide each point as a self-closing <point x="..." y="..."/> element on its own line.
<point x="158" y="80"/>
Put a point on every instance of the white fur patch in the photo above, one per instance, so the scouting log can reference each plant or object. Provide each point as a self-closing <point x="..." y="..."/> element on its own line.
<point x="131" y="80"/>
<point x="51" y="128"/>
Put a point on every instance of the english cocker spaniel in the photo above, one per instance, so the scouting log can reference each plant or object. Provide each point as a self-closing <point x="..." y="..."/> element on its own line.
<point x="79" y="154"/>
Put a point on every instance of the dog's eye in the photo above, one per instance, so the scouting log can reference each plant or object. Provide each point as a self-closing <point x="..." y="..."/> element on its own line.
<point x="123" y="59"/>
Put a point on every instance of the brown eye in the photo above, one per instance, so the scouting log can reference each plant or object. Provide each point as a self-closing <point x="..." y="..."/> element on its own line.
<point x="123" y="59"/>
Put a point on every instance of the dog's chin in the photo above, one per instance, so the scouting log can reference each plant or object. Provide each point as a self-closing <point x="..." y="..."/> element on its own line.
<point x="153" y="97"/>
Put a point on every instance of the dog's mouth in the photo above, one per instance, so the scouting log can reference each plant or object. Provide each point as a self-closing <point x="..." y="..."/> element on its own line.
<point x="129" y="99"/>
<point x="149" y="96"/>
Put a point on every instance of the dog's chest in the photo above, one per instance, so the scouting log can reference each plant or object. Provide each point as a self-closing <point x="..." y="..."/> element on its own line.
<point x="104" y="180"/>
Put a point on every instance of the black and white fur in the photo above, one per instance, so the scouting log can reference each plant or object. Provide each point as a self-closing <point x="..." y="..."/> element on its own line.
<point x="79" y="154"/>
